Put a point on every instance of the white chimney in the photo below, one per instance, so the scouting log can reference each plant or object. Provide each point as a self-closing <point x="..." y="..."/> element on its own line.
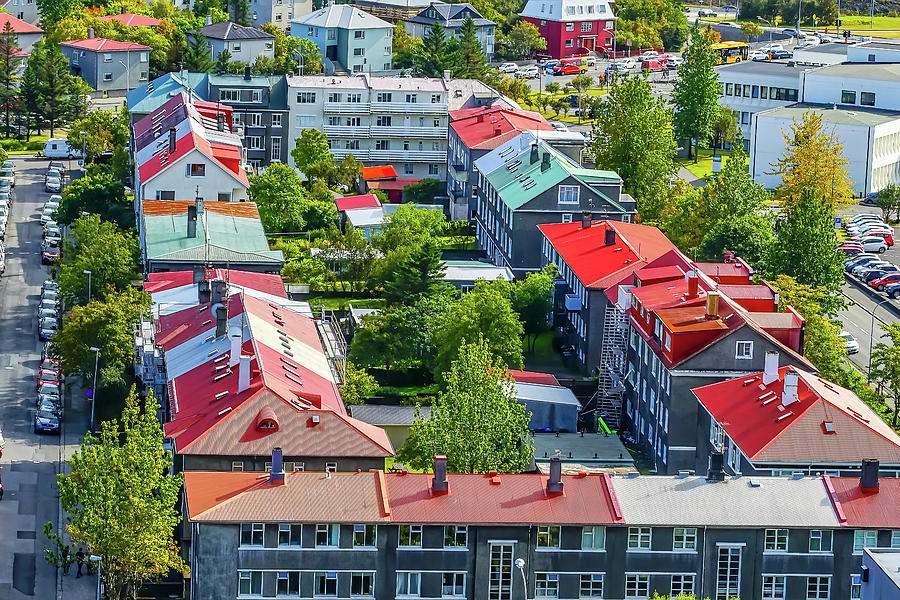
<point x="236" y="339"/>
<point x="770" y="372"/>
<point x="208" y="20"/>
<point x="789" y="396"/>
<point x="244" y="374"/>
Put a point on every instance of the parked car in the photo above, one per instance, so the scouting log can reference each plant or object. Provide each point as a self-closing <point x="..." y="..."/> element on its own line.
<point x="893" y="290"/>
<point x="508" y="68"/>
<point x="559" y="126"/>
<point x="651" y="65"/>
<point x="887" y="235"/>
<point x="9" y="165"/>
<point x="47" y="214"/>
<point x="47" y="328"/>
<point x="769" y="47"/>
<point x="858" y="270"/>
<point x="8" y="175"/>
<point x="881" y="282"/>
<point x="629" y="63"/>
<point x="849" y="342"/>
<point x="874" y="244"/>
<point x="50" y="389"/>
<point x="53" y="184"/>
<point x="530" y="72"/>
<point x="865" y="217"/>
<point x="809" y="42"/>
<point x="58" y="165"/>
<point x="647" y="55"/>
<point x="758" y="55"/>
<point x="874" y="274"/>
<point x="60" y="148"/>
<point x="548" y="64"/>
<point x="731" y="24"/>
<point x="705" y="12"/>
<point x="729" y="8"/>
<point x="794" y="33"/>
<point x="779" y="54"/>
<point x="674" y="62"/>
<point x="50" y="255"/>
<point x="48" y="405"/>
<point x="45" y="421"/>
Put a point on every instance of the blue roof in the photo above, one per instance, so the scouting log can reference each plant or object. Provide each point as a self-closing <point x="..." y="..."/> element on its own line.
<point x="147" y="98"/>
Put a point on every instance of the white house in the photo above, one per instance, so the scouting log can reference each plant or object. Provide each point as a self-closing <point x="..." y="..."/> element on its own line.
<point x="882" y="51"/>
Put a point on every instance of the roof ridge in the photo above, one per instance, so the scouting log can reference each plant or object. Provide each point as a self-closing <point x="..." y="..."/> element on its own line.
<point x="347" y="419"/>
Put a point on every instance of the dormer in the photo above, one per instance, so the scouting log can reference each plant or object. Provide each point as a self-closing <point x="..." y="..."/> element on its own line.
<point x="266" y="421"/>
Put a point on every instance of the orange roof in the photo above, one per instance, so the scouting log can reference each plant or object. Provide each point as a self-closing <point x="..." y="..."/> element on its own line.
<point x="380" y="172"/>
<point x="245" y="210"/>
<point x="689" y="318"/>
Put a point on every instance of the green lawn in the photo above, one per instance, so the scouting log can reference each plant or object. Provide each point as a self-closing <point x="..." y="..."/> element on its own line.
<point x="390" y="461"/>
<point x="703" y="167"/>
<point x="568" y="118"/>
<point x="343" y="303"/>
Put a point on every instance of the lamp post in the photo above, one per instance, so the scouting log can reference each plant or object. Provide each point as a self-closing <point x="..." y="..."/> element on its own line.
<point x="99" y="561"/>
<point x="871" y="335"/>
<point x="89" y="274"/>
<point x="96" y="352"/>
<point x="127" y="74"/>
<point x="767" y="22"/>
<point x="520" y="564"/>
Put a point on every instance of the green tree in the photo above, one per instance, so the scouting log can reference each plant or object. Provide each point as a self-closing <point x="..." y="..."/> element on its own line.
<point x="240" y="12"/>
<point x="10" y="62"/>
<point x="522" y="41"/>
<point x="532" y="299"/>
<point x="804" y="245"/>
<point x="100" y="131"/>
<point x="280" y="198"/>
<point x="100" y="247"/>
<point x="408" y="50"/>
<point x="311" y="271"/>
<point x="633" y="136"/>
<point x="418" y="273"/>
<point x="223" y="62"/>
<point x="197" y="58"/>
<point x="472" y="64"/>
<point x="724" y="128"/>
<point x="885" y="371"/>
<point x="121" y="499"/>
<point x="696" y="93"/>
<point x="99" y="194"/>
<point x="651" y="24"/>
<point x="751" y="30"/>
<point x="54" y="94"/>
<point x="310" y="148"/>
<point x="435" y="51"/>
<point x="552" y="88"/>
<point x="748" y="236"/>
<point x="889" y="202"/>
<point x="53" y="11"/>
<point x="483" y="312"/>
<point x="358" y="385"/>
<point x="310" y="58"/>
<point x="476" y="422"/>
<point x="422" y="192"/>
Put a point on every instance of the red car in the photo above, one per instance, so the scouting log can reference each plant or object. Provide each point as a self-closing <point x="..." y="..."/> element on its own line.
<point x="51" y="377"/>
<point x="880" y="283"/>
<point x="888" y="236"/>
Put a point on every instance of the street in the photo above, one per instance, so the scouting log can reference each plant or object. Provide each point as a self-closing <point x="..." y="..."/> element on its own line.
<point x="30" y="462"/>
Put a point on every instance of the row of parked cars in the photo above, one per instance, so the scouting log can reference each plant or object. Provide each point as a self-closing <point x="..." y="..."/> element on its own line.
<point x="7" y="183"/>
<point x="49" y="380"/>
<point x="869" y="237"/>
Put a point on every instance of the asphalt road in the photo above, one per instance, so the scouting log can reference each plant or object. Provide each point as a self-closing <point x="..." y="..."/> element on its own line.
<point x="30" y="462"/>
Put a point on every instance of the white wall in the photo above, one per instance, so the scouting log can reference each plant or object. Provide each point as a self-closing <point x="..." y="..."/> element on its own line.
<point x="746" y="107"/>
<point x="886" y="156"/>
<point x="861" y="53"/>
<point x="217" y="180"/>
<point x="826" y="89"/>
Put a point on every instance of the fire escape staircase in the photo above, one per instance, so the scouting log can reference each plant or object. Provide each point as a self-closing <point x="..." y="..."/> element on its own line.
<point x="611" y="385"/>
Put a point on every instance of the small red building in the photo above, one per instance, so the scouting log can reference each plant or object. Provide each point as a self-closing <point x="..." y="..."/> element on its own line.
<point x="572" y="27"/>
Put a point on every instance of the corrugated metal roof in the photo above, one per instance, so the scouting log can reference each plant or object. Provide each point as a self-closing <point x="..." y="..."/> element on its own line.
<point x="228" y="30"/>
<point x="342" y="16"/>
<point x="387" y="414"/>
<point x="868" y="509"/>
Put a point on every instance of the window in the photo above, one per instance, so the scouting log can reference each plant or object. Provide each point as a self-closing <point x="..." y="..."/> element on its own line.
<point x="433" y="169"/>
<point x="855" y="587"/>
<point x="773" y="587"/>
<point x="895" y="539"/>
<point x="107" y="77"/>
<point x="326" y="583"/>
<point x="364" y="535"/>
<point x="359" y="34"/>
<point x="548" y="536"/>
<point x="354" y="98"/>
<point x="764" y="92"/>
<point x="728" y="572"/>
<point x="435" y="98"/>
<point x="408" y="584"/>
<point x="593" y="537"/>
<point x="288" y="535"/>
<point x="586" y="26"/>
<point x="568" y="194"/>
<point x="237" y="465"/>
<point x="456" y="536"/>
<point x="331" y="467"/>
<point x="143" y="76"/>
<point x="728" y="88"/>
<point x="569" y="44"/>
<point x="252" y="534"/>
<point x="170" y="195"/>
<point x="276" y="148"/>
<point x="276" y="120"/>
<point x="383" y="121"/>
<point x="591" y="586"/>
<point x="408" y="169"/>
<point x="818" y="588"/>
<point x="225" y="197"/>
<point x="411" y="535"/>
<point x="412" y="98"/>
<point x="776" y="540"/>
<point x="352" y="121"/>
<point x="382" y="144"/>
<point x="288" y="583"/>
<point x="755" y="93"/>
<point x="255" y="96"/>
<point x="253" y="120"/>
<point x="820" y="540"/>
<point x="359" y="52"/>
<point x="107" y="58"/>
<point x="437" y="122"/>
<point x="682" y="584"/>
<point x="743" y="350"/>
<point x="637" y="586"/>
<point x="685" y="538"/>
<point x="362" y="584"/>
<point x="570" y="26"/>
<point x="639" y="538"/>
<point x="848" y="97"/>
<point x="306" y="97"/>
<point x="253" y="142"/>
<point x="332" y="34"/>
<point x="351" y="145"/>
<point x="335" y="97"/>
<point x="546" y="585"/>
<point x="867" y="98"/>
<point x="453" y="585"/>
<point x="864" y="538"/>
<point x="229" y="95"/>
<point x="500" y="575"/>
<point x="144" y="56"/>
<point x="250" y="583"/>
<point x="327" y="534"/>
<point x="383" y="97"/>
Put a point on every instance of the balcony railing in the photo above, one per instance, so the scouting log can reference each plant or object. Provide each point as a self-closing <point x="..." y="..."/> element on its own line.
<point x="348" y="108"/>
<point x="408" y="132"/>
<point x="345" y="131"/>
<point x="409" y="108"/>
<point x="409" y="155"/>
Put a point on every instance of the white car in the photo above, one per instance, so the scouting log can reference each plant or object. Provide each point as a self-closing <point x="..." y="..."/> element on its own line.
<point x="508" y="68"/>
<point x="527" y="72"/>
<point x="674" y="62"/>
<point x="648" y="55"/>
<point x="807" y="43"/>
<point x="559" y="126"/>
<point x="849" y="342"/>
<point x="629" y="63"/>
<point x="757" y="55"/>
<point x="47" y="215"/>
<point x="770" y="47"/>
<point x="874" y="244"/>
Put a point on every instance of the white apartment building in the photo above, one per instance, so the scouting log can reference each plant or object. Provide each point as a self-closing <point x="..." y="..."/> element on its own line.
<point x="870" y="84"/>
<point x="380" y="120"/>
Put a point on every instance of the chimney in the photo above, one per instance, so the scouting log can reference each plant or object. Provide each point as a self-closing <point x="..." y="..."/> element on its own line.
<point x="712" y="305"/>
<point x="770" y="371"/>
<point x="789" y="395"/>
<point x="555" y="484"/>
<point x="244" y="374"/>
<point x="192" y="221"/>
<point x="221" y="319"/>
<point x="220" y="122"/>
<point x="171" y="140"/>
<point x="236" y="339"/>
<point x="545" y="163"/>
<point x="439" y="482"/>
<point x="497" y="131"/>
<point x="692" y="284"/>
<point x="534" y="154"/>
<point x="208" y="20"/>
<point x="199" y="274"/>
<point x="609" y="237"/>
<point x="447" y="74"/>
<point x="90" y="33"/>
<point x="247" y="72"/>
<point x="716" y="462"/>
<point x="122" y="10"/>
<point x="218" y="290"/>
<point x="203" y="293"/>
<point x="479" y="118"/>
<point x="276" y="474"/>
<point x="868" y="477"/>
<point x="586" y="219"/>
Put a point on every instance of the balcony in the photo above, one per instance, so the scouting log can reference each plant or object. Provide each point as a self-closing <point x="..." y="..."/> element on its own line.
<point x="408" y="132"/>
<point x="409" y="155"/>
<point x="344" y="131"/>
<point x="348" y="108"/>
<point x="459" y="173"/>
<point x="573" y="302"/>
<point x="408" y="108"/>
<point x="340" y="153"/>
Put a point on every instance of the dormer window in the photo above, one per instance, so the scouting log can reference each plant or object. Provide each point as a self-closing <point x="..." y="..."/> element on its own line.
<point x="268" y="424"/>
<point x="266" y="420"/>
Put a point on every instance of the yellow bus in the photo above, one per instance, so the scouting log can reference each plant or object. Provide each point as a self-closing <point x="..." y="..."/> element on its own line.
<point x="731" y="52"/>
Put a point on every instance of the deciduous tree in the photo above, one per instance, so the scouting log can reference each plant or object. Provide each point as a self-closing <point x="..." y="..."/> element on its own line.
<point x="889" y="202"/>
<point x="408" y="50"/>
<point x="53" y="11"/>
<point x="724" y="129"/>
<point x="284" y="204"/>
<point x="476" y="422"/>
<point x="311" y="148"/>
<point x="358" y="385"/>
<point x="99" y="194"/>
<point x="100" y="131"/>
<point x="52" y="93"/>
<point x="886" y="365"/>
<point x="522" y="41"/>
<point x="696" y="93"/>
<point x="310" y="58"/>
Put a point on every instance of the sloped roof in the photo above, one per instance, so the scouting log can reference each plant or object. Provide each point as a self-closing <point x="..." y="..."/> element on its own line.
<point x="754" y="418"/>
<point x="486" y="128"/>
<point x="533" y="377"/>
<point x="132" y="20"/>
<point x="867" y="508"/>
<point x="103" y="45"/>
<point x="228" y="30"/>
<point x="557" y="10"/>
<point x="388" y="414"/>
<point x="158" y="283"/>
<point x="343" y="16"/>
<point x="378" y="172"/>
<point x="451" y="15"/>
<point x="599" y="266"/>
<point x="351" y="202"/>
<point x="18" y="25"/>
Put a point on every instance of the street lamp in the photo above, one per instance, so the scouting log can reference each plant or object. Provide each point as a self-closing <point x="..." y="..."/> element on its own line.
<point x="871" y="335"/>
<point x="96" y="352"/>
<point x="520" y="564"/>
<point x="88" y="273"/>
<point x="99" y="560"/>
<point x="127" y="74"/>
<point x="767" y="22"/>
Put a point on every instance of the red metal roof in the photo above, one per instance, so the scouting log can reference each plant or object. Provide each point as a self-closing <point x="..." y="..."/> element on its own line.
<point x="753" y="416"/>
<point x="18" y="25"/>
<point x="532" y="377"/>
<point x="597" y="265"/>
<point x="728" y="273"/>
<point x="379" y="172"/>
<point x="649" y="275"/>
<point x="502" y="499"/>
<point x="870" y="508"/>
<point x="351" y="202"/>
<point x="263" y="282"/>
<point x="487" y="128"/>
<point x="132" y="20"/>
<point x="104" y="45"/>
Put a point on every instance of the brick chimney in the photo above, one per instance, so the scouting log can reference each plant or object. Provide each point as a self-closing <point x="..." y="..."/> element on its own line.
<point x="586" y="219"/>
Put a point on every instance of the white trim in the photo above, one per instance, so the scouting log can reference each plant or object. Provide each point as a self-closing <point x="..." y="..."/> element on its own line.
<point x="683" y="448"/>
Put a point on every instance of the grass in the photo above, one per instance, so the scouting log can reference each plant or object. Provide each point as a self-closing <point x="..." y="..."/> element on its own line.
<point x="390" y="461"/>
<point x="343" y="303"/>
<point x="544" y="358"/>
<point x="550" y="113"/>
<point x="458" y="242"/>
<point x="703" y="167"/>
<point x="411" y="394"/>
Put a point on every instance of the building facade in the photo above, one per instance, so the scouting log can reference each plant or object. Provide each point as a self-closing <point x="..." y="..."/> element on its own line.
<point x="21" y="18"/>
<point x="452" y="17"/>
<point x="109" y="67"/>
<point x="358" y="41"/>
<point x="572" y="27"/>
<point x="245" y="44"/>
<point x="278" y="12"/>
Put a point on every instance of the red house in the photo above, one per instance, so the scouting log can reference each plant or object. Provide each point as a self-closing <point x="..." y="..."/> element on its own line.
<point x="572" y="27"/>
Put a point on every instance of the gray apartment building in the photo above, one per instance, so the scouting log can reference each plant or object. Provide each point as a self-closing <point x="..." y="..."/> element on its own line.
<point x="109" y="67"/>
<point x="452" y="17"/>
<point x="245" y="44"/>
<point x="278" y="12"/>
<point x="525" y="183"/>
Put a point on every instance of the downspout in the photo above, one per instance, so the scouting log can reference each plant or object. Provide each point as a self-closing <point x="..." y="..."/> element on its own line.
<point x="703" y="565"/>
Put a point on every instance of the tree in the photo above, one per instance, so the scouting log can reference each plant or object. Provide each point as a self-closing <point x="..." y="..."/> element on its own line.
<point x="751" y="30"/>
<point x="121" y="499"/>
<point x="10" y="61"/>
<point x="532" y="299"/>
<point x="633" y="136"/>
<point x="310" y="148"/>
<point x="197" y="57"/>
<point x="804" y="245"/>
<point x="483" y="312"/>
<point x="552" y="88"/>
<point x="408" y="227"/>
<point x="885" y="369"/>
<point x="711" y="34"/>
<point x="748" y="236"/>
<point x="280" y="198"/>
<point x="724" y="129"/>
<point x="408" y="50"/>
<point x="696" y="93"/>
<point x="813" y="161"/>
<point x="310" y="58"/>
<point x="651" y="24"/>
<point x="53" y="11"/>
<point x="418" y="273"/>
<point x="422" y="192"/>
<point x="100" y="131"/>
<point x="100" y="247"/>
<point x="434" y="51"/>
<point x="358" y="385"/>
<point x="240" y="11"/>
<point x="99" y="194"/>
<point x="472" y="64"/>
<point x="476" y="422"/>
<point x="888" y="201"/>
<point x="223" y="62"/>
<point x="523" y="40"/>
<point x="54" y="94"/>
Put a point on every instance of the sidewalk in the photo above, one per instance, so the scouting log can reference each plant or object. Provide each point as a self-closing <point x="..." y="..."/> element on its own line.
<point x="692" y="179"/>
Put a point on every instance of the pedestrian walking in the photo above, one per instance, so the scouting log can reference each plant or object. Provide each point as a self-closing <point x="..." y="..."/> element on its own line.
<point x="79" y="556"/>
<point x="66" y="560"/>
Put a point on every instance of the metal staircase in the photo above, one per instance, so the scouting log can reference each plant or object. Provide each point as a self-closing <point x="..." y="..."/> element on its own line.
<point x="608" y="398"/>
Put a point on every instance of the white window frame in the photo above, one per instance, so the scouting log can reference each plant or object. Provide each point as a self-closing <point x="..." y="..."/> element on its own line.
<point x="590" y="585"/>
<point x="568" y="194"/>
<point x="686" y="540"/>
<point x="591" y="535"/>
<point x="637" y="586"/>
<point x="773" y="587"/>
<point x="640" y="538"/>
<point x="546" y="585"/>
<point x="864" y="538"/>
<point x="821" y="535"/>
<point x="407" y="579"/>
<point x="776" y="540"/>
<point x="819" y="593"/>
<point x="547" y="533"/>
<point x="254" y="529"/>
<point x="743" y="350"/>
<point x="407" y="533"/>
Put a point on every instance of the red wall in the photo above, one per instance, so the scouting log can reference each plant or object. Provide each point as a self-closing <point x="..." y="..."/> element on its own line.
<point x="556" y="35"/>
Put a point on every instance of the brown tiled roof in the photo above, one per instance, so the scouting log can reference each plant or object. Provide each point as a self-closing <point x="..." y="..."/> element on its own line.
<point x="246" y="210"/>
